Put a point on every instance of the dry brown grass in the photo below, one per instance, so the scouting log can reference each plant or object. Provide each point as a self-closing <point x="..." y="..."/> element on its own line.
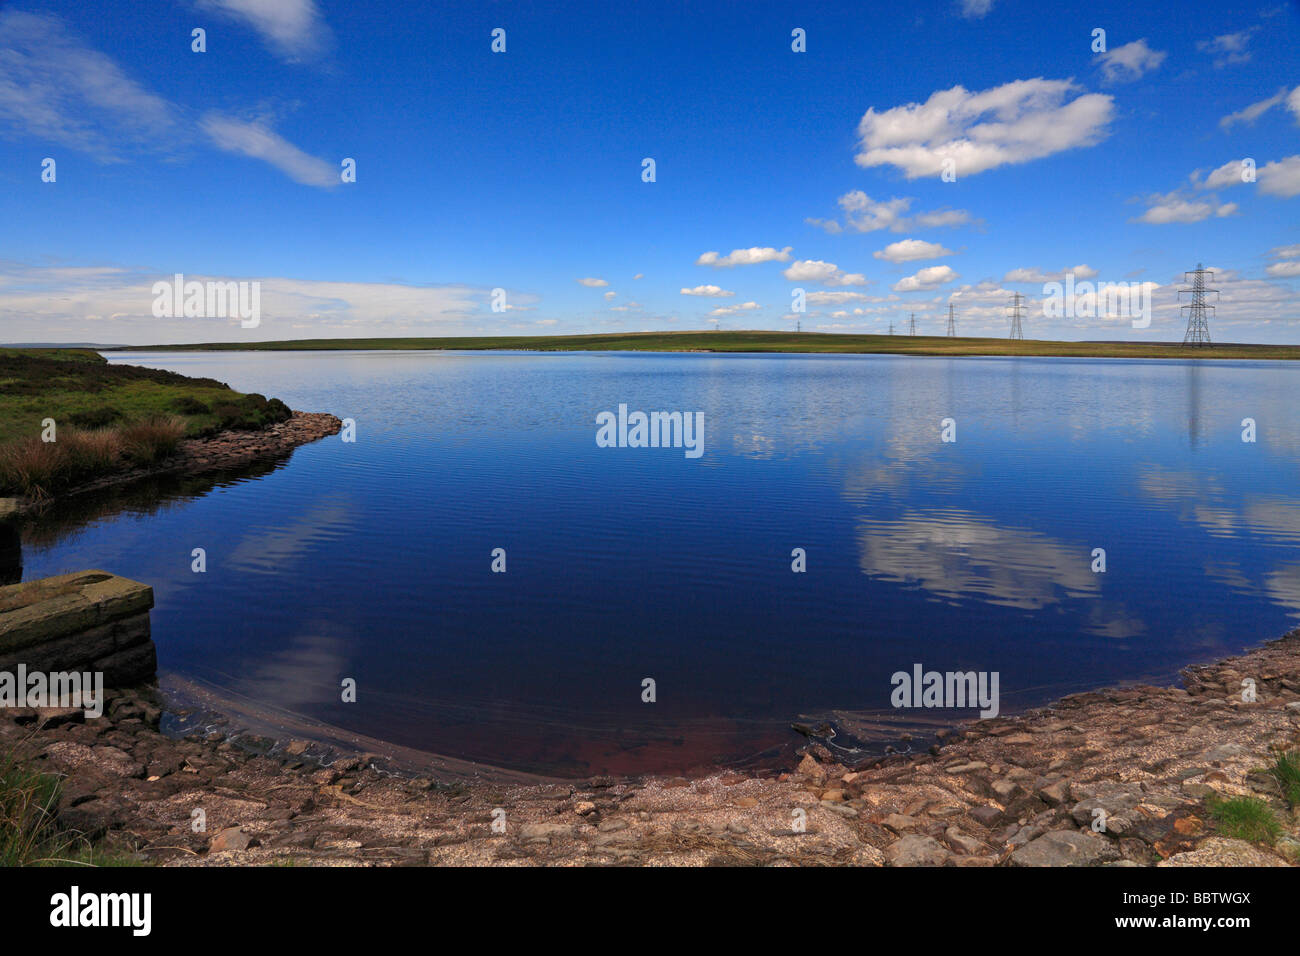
<point x="39" y="469"/>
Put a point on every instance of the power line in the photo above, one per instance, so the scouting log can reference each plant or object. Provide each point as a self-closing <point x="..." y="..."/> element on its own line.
<point x="1017" y="312"/>
<point x="1198" y="324"/>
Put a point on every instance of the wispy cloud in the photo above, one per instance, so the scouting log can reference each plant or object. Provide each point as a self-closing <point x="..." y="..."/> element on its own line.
<point x="257" y="140"/>
<point x="1229" y="47"/>
<point x="1255" y="110"/>
<point x="864" y="214"/>
<point x="54" y="87"/>
<point x="293" y="29"/>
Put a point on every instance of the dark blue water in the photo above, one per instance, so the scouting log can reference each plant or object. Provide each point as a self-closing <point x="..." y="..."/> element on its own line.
<point x="373" y="560"/>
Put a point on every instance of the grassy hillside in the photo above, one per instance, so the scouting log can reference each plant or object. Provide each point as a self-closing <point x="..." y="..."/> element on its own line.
<point x="107" y="417"/>
<point x="772" y="342"/>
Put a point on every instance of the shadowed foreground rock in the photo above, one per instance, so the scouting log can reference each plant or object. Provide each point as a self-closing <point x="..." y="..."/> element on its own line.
<point x="89" y="621"/>
<point x="1022" y="790"/>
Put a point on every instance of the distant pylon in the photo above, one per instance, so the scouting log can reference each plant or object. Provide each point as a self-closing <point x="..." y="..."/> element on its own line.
<point x="1017" y="312"/>
<point x="798" y="326"/>
<point x="952" y="323"/>
<point x="912" y="325"/>
<point x="1198" y="325"/>
<point x="891" y="328"/>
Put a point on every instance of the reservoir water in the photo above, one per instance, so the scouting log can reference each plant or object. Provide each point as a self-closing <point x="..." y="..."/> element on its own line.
<point x="372" y="560"/>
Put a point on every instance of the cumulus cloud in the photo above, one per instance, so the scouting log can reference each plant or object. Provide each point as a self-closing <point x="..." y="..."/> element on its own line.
<point x="823" y="273"/>
<point x="911" y="250"/>
<point x="1129" y="62"/>
<point x="292" y="29"/>
<point x="593" y="283"/>
<point x="1230" y="173"/>
<point x="1036" y="276"/>
<point x="930" y="277"/>
<point x="1281" y="178"/>
<point x="1176" y="207"/>
<point x="1014" y="123"/>
<point x="708" y="291"/>
<point x="744" y="257"/>
<point x="259" y="141"/>
<point x="1228" y="48"/>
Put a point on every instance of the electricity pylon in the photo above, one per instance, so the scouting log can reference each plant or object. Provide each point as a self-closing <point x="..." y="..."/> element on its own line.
<point x="891" y="328"/>
<point x="1198" y="325"/>
<point x="1017" y="312"/>
<point x="911" y="326"/>
<point x="952" y="323"/>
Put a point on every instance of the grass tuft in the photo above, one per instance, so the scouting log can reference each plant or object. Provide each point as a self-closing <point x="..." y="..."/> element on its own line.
<point x="1245" y="818"/>
<point x="1286" y="771"/>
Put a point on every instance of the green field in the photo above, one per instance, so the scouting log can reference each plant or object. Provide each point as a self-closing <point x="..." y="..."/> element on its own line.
<point x="106" y="417"/>
<point x="768" y="342"/>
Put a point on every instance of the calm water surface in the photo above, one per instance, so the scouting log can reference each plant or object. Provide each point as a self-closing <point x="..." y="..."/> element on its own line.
<point x="372" y="560"/>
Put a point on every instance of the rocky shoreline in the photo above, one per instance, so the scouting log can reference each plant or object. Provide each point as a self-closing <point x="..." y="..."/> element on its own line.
<point x="223" y="450"/>
<point x="1019" y="791"/>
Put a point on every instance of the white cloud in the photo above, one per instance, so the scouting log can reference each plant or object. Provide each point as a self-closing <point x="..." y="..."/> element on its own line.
<point x="1284" y="270"/>
<point x="115" y="305"/>
<point x="1122" y="64"/>
<point x="55" y="88"/>
<point x="1174" y="207"/>
<point x="709" y="291"/>
<point x="823" y="273"/>
<point x="975" y="9"/>
<point x="733" y="309"/>
<point x="1281" y="178"/>
<point x="592" y="283"/>
<point x="864" y="214"/>
<point x="259" y="141"/>
<point x="1228" y="48"/>
<point x="610" y="295"/>
<point x="911" y="250"/>
<point x="931" y="277"/>
<point x="1013" y="123"/>
<point x="293" y="29"/>
<point x="744" y="257"/>
<point x="1255" y="110"/>
<point x="1229" y="174"/>
<point x="1035" y="276"/>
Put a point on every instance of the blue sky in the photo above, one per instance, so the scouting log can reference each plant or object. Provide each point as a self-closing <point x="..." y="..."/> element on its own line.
<point x="522" y="170"/>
